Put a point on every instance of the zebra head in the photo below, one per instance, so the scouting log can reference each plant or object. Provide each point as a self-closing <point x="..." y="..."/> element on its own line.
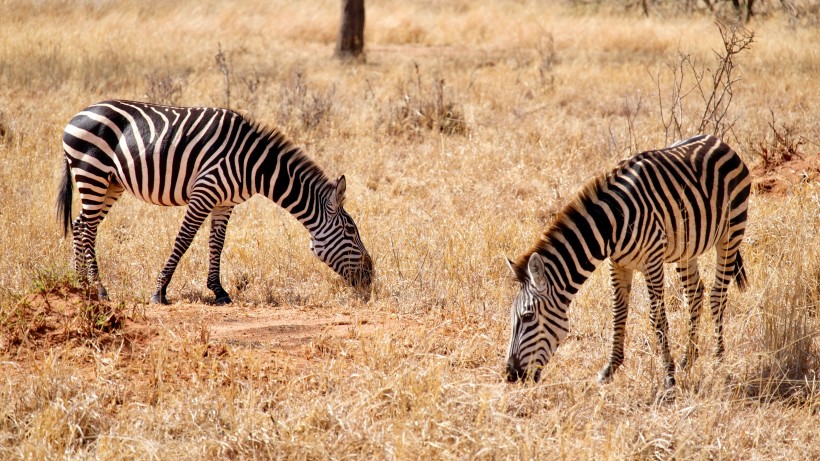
<point x="538" y="318"/>
<point x="337" y="243"/>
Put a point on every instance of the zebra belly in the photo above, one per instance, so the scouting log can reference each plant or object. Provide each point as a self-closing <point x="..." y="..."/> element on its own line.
<point x="174" y="193"/>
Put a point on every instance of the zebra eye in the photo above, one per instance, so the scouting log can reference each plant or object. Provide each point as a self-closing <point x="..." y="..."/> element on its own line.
<point x="527" y="316"/>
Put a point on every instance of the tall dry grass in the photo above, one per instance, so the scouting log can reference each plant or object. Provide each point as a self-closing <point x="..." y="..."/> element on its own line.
<point x="543" y="96"/>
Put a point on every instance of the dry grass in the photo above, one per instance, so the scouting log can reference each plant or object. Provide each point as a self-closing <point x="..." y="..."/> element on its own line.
<point x="523" y="101"/>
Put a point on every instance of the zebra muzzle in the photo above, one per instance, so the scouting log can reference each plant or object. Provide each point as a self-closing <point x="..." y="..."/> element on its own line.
<point x="516" y="372"/>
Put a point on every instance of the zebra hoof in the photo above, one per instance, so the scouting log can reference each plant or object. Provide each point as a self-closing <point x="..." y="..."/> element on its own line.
<point x="222" y="300"/>
<point x="159" y="299"/>
<point x="688" y="359"/>
<point x="669" y="382"/>
<point x="102" y="294"/>
<point x="605" y="375"/>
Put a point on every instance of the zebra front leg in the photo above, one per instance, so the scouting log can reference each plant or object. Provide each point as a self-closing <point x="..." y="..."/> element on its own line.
<point x="219" y="223"/>
<point x="693" y="293"/>
<point x="621" y="278"/>
<point x="657" y="315"/>
<point x="198" y="210"/>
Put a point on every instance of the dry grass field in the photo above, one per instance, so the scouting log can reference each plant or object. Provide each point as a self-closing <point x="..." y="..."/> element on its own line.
<point x="465" y="127"/>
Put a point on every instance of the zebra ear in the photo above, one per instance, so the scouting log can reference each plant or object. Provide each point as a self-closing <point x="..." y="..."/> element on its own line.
<point x="538" y="273"/>
<point x="338" y="198"/>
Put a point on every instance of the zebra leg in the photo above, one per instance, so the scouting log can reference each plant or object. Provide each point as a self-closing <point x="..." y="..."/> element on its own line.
<point x="89" y="244"/>
<point x="198" y="209"/>
<point x="657" y="315"/>
<point x="622" y="286"/>
<point x="78" y="264"/>
<point x="91" y="216"/>
<point x="219" y="223"/>
<point x="693" y="293"/>
<point x="726" y="256"/>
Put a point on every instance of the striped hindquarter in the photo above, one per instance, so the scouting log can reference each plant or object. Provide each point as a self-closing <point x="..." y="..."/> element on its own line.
<point x="666" y="206"/>
<point x="209" y="159"/>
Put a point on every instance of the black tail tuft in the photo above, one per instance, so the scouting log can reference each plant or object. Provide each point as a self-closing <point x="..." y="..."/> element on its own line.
<point x="64" y="198"/>
<point x="740" y="273"/>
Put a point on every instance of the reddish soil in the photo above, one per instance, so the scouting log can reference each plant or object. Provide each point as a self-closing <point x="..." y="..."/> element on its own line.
<point x="779" y="177"/>
<point x="267" y="327"/>
<point x="67" y="316"/>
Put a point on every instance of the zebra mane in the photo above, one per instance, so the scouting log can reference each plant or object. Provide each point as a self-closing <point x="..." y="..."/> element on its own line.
<point x="571" y="211"/>
<point x="274" y="136"/>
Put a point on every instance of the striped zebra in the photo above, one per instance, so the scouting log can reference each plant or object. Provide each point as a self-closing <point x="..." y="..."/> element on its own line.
<point x="210" y="159"/>
<point x="663" y="206"/>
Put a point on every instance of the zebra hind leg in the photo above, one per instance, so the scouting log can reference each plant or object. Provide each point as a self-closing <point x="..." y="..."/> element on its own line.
<point x="219" y="223"/>
<point x="621" y="278"/>
<point x="727" y="268"/>
<point x="78" y="264"/>
<point x="83" y="254"/>
<point x="91" y="225"/>
<point x="89" y="240"/>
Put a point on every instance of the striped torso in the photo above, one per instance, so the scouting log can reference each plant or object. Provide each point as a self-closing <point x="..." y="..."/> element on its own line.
<point x="681" y="198"/>
<point x="158" y="152"/>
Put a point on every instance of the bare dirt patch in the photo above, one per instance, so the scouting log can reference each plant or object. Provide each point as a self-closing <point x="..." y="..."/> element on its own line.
<point x="269" y="327"/>
<point x="64" y="315"/>
<point x="69" y="317"/>
<point x="777" y="178"/>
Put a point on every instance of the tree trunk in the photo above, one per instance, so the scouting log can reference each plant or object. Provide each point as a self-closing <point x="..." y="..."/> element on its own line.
<point x="351" y="30"/>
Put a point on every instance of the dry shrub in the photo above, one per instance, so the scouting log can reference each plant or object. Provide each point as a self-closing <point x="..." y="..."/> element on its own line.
<point x="303" y="108"/>
<point x="713" y="90"/>
<point x="781" y="144"/>
<point x="785" y="157"/>
<point x="165" y="88"/>
<point x="240" y="83"/>
<point x="423" y="106"/>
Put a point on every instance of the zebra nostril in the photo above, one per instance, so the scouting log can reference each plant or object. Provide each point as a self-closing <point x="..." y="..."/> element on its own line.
<point x="512" y="376"/>
<point x="513" y="371"/>
<point x="363" y="277"/>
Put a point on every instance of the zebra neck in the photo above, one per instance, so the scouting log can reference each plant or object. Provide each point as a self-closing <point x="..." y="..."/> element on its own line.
<point x="295" y="182"/>
<point x="576" y="244"/>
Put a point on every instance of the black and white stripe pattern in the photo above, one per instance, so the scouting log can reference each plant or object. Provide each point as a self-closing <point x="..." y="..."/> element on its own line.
<point x="210" y="159"/>
<point x="658" y="207"/>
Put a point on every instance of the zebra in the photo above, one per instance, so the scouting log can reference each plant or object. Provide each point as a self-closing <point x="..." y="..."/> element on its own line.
<point x="662" y="206"/>
<point x="211" y="159"/>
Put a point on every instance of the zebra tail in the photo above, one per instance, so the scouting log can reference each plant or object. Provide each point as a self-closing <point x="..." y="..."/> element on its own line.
<point x="739" y="272"/>
<point x="64" y="198"/>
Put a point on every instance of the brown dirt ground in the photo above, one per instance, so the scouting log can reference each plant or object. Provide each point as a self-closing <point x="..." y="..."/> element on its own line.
<point x="68" y="317"/>
<point x="267" y="327"/>
<point x="778" y="178"/>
